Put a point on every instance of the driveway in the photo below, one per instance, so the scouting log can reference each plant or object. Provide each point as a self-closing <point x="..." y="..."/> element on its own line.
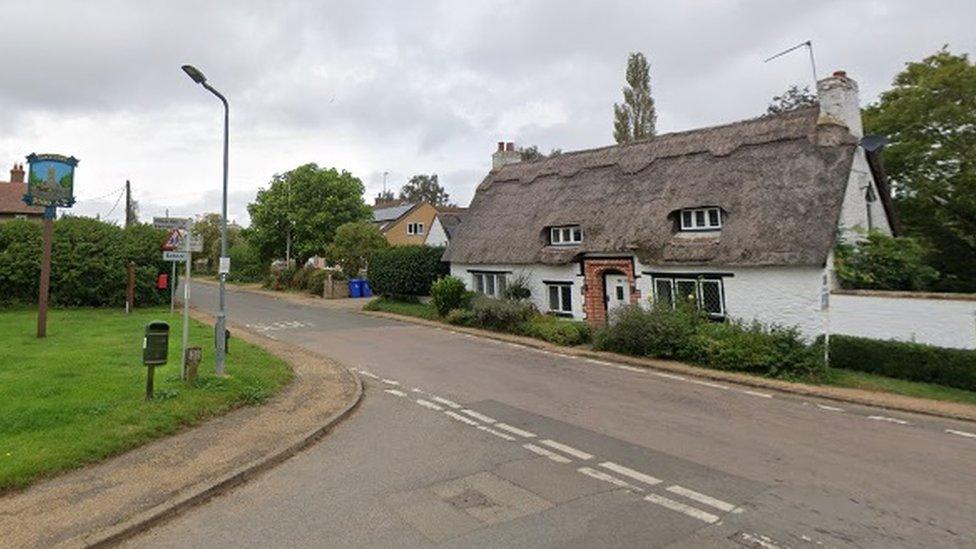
<point x="468" y="442"/>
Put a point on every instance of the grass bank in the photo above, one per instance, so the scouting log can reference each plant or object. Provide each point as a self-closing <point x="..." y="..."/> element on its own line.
<point x="77" y="396"/>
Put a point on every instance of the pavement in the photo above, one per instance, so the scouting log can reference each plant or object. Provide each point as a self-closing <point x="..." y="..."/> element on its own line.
<point x="462" y="441"/>
<point x="108" y="501"/>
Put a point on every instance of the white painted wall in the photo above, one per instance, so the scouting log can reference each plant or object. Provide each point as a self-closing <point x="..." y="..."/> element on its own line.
<point x="535" y="275"/>
<point x="854" y="210"/>
<point x="436" y="236"/>
<point x="942" y="322"/>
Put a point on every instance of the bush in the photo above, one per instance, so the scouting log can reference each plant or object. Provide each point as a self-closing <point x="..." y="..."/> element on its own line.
<point x="758" y="349"/>
<point x="405" y="270"/>
<point x="902" y="360"/>
<point x="354" y="242"/>
<point x="882" y="262"/>
<point x="555" y="330"/>
<point x="461" y="317"/>
<point x="315" y="284"/>
<point x="279" y="278"/>
<point x="501" y="314"/>
<point x="245" y="263"/>
<point x="658" y="331"/>
<point x="449" y="293"/>
<point x="517" y="288"/>
<point x="88" y="264"/>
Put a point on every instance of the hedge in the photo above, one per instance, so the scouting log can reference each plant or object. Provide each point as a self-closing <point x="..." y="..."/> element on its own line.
<point x="89" y="261"/>
<point x="405" y="270"/>
<point x="910" y="361"/>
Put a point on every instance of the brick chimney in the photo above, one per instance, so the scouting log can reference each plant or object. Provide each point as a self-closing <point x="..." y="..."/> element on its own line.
<point x="17" y="173"/>
<point x="506" y="154"/>
<point x="839" y="102"/>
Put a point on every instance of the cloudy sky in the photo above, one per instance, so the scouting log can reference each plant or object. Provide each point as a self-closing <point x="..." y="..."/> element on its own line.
<point x="403" y="87"/>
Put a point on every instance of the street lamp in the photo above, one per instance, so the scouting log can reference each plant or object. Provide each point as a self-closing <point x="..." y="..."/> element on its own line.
<point x="221" y="328"/>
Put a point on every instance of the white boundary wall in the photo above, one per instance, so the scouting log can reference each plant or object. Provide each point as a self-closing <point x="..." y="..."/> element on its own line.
<point x="894" y="315"/>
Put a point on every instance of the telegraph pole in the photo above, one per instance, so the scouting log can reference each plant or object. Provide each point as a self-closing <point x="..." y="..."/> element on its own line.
<point x="128" y="204"/>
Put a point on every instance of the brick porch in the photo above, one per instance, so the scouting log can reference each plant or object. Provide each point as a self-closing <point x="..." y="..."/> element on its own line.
<point x="594" y="305"/>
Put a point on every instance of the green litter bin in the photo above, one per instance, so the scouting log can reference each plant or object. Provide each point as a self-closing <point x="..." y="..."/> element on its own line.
<point x="155" y="344"/>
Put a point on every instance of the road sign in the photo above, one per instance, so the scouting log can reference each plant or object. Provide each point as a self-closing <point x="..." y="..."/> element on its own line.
<point x="171" y="222"/>
<point x="175" y="240"/>
<point x="174" y="256"/>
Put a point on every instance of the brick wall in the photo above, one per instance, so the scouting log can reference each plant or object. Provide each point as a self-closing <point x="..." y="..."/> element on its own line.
<point x="594" y="306"/>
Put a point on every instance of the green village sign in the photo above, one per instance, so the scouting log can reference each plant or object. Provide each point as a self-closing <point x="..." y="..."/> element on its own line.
<point x="51" y="184"/>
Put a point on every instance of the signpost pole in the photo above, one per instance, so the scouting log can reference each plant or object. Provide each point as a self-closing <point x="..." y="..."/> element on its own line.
<point x="186" y="307"/>
<point x="45" y="283"/>
<point x="172" y="288"/>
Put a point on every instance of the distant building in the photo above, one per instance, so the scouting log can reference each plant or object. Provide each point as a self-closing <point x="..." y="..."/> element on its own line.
<point x="402" y="222"/>
<point x="12" y="197"/>
<point x="444" y="225"/>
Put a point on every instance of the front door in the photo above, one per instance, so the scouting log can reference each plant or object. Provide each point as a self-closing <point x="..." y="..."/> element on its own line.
<point x="617" y="291"/>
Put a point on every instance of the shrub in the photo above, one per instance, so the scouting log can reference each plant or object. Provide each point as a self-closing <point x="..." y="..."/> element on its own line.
<point x="353" y="244"/>
<point x="555" y="330"/>
<point x="902" y="360"/>
<point x="299" y="281"/>
<point x="405" y="270"/>
<point x="316" y="281"/>
<point x="501" y="314"/>
<point x="517" y="288"/>
<point x="461" y="317"/>
<point x="755" y="348"/>
<point x="449" y="293"/>
<point x="245" y="263"/>
<point x="658" y="331"/>
<point x="882" y="262"/>
<point x="279" y="278"/>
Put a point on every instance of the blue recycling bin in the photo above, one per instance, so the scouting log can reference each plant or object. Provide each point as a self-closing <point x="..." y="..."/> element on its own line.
<point x="355" y="287"/>
<point x="367" y="291"/>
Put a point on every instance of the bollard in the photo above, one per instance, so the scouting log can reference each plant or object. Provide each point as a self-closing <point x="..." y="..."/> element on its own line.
<point x="194" y="355"/>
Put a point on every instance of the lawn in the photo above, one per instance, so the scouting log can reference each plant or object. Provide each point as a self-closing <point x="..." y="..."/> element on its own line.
<point x="406" y="308"/>
<point x="77" y="396"/>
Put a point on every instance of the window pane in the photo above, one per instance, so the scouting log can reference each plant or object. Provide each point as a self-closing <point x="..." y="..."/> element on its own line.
<point x="711" y="296"/>
<point x="553" y="298"/>
<point x="620" y="293"/>
<point x="686" y="219"/>
<point x="490" y="284"/>
<point x="578" y="234"/>
<point x="567" y="294"/>
<point x="665" y="291"/>
<point x="479" y="283"/>
<point x="687" y="291"/>
<point x="500" y="282"/>
<point x="420" y="228"/>
<point x="699" y="218"/>
<point x="554" y="235"/>
<point x="567" y="235"/>
<point x="713" y="218"/>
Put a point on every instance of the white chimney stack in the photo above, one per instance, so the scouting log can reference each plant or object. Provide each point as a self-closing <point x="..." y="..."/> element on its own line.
<point x="838" y="96"/>
<point x="506" y="154"/>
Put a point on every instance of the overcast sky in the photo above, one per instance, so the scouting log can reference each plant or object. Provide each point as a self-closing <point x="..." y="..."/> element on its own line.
<point x="403" y="87"/>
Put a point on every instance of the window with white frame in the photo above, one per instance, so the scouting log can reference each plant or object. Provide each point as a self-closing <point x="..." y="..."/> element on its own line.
<point x="487" y="283"/>
<point x="560" y="297"/>
<point x="415" y="228"/>
<point x="565" y="236"/>
<point x="701" y="219"/>
<point x="708" y="294"/>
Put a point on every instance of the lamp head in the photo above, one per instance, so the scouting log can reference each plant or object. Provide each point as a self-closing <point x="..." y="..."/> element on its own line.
<point x="194" y="73"/>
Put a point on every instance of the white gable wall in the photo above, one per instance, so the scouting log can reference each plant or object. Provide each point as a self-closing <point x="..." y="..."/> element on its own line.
<point x="436" y="236"/>
<point x="854" y="211"/>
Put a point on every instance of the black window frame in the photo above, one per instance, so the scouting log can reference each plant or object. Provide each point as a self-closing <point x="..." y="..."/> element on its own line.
<point x="565" y="292"/>
<point x="674" y="280"/>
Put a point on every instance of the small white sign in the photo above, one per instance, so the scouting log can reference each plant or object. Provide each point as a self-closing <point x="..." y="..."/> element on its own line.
<point x="224" y="265"/>
<point x="175" y="256"/>
<point x="171" y="222"/>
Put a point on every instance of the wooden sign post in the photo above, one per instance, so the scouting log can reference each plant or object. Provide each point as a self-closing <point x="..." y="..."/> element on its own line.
<point x="45" y="285"/>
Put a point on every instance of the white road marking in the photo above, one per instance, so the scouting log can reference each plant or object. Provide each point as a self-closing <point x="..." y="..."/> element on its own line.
<point x="890" y="419"/>
<point x="428" y="404"/>
<point x="543" y="452"/>
<point x="448" y="403"/>
<point x="600" y="475"/>
<point x="681" y="508"/>
<point x="390" y="381"/>
<point x="368" y="374"/>
<point x="628" y="472"/>
<point x="516" y="430"/>
<point x="462" y="419"/>
<point x="395" y="392"/>
<point x="567" y="449"/>
<point x="701" y="498"/>
<point x="669" y="376"/>
<point x="762" y="542"/>
<point x="600" y="362"/>
<point x="707" y="384"/>
<point x="496" y="433"/>
<point x="629" y="368"/>
<point x="516" y="345"/>
<point x="478" y="416"/>
<point x="829" y="408"/>
<point x="417" y="390"/>
<point x="961" y="433"/>
<point x="757" y="393"/>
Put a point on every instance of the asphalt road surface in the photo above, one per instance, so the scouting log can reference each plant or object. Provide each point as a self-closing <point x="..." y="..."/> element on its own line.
<point x="467" y="442"/>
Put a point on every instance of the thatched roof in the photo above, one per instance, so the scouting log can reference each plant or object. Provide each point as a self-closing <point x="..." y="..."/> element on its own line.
<point x="780" y="181"/>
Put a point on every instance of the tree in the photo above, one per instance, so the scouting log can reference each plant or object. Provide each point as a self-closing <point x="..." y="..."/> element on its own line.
<point x="635" y="118"/>
<point x="385" y="195"/>
<point x="793" y="98"/>
<point x="929" y="118"/>
<point x="207" y="227"/>
<point x="882" y="262"/>
<point x="531" y="153"/>
<point x="353" y="244"/>
<point x="315" y="201"/>
<point x="425" y="188"/>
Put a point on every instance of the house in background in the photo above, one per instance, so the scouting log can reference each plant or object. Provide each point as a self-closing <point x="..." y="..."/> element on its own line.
<point x="741" y="218"/>
<point x="12" y="193"/>
<point x="403" y="223"/>
<point x="445" y="225"/>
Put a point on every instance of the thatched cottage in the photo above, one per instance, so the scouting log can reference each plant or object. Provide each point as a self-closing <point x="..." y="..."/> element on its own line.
<point x="742" y="218"/>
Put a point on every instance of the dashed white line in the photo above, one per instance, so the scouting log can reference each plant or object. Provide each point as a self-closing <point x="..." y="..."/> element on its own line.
<point x="478" y="416"/>
<point x="669" y="376"/>
<point x="600" y="362"/>
<point x="628" y="368"/>
<point x="368" y="374"/>
<point x="444" y="401"/>
<point x="515" y="430"/>
<point x="600" y="475"/>
<point x="701" y="498"/>
<point x="682" y="508"/>
<point x="890" y="419"/>
<point x="394" y="392"/>
<point x="628" y="472"/>
<point x="390" y="381"/>
<point x="707" y="384"/>
<point x="462" y="419"/>
<point x="829" y="408"/>
<point x="757" y="393"/>
<point x="566" y="449"/>
<point x="498" y="434"/>
<point x="543" y="452"/>
<point x="428" y="404"/>
<point x="961" y="433"/>
<point x="417" y="390"/>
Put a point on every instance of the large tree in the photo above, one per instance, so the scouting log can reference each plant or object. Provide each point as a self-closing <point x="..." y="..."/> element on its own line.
<point x="207" y="227"/>
<point x="635" y="118"/>
<point x="425" y="188"/>
<point x="315" y="201"/>
<point x="353" y="244"/>
<point x="532" y="153"/>
<point x="929" y="117"/>
<point x="794" y="97"/>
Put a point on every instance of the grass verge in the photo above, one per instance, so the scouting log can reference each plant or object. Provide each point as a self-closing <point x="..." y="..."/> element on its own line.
<point x="77" y="396"/>
<point x="406" y="308"/>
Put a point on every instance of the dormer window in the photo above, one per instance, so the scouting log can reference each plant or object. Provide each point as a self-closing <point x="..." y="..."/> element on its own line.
<point x="701" y="219"/>
<point x="565" y="236"/>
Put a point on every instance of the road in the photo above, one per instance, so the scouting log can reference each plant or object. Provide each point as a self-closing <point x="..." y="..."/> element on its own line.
<point x="468" y="442"/>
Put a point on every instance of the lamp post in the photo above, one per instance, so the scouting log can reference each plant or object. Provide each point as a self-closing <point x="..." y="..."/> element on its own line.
<point x="221" y="327"/>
